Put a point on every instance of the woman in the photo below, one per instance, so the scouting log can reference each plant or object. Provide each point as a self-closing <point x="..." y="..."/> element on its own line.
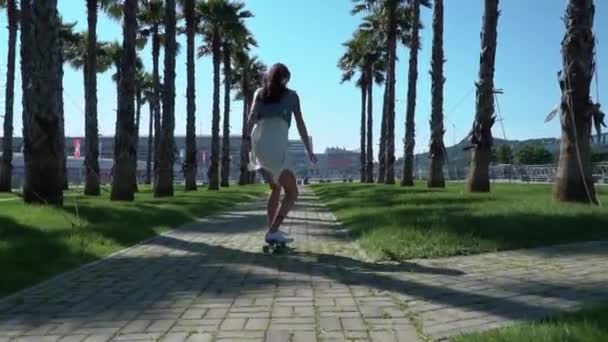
<point x="267" y="132"/>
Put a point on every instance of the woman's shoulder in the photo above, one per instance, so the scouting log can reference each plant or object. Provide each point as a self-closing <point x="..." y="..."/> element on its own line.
<point x="293" y="95"/>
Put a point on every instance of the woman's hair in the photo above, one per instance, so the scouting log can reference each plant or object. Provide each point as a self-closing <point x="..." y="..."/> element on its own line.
<point x="274" y="84"/>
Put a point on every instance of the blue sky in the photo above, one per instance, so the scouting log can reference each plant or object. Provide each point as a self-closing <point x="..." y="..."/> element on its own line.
<point x="307" y="36"/>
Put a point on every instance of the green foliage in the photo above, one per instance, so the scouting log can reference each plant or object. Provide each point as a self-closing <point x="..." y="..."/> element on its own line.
<point x="37" y="242"/>
<point x="597" y="156"/>
<point x="534" y="154"/>
<point x="589" y="325"/>
<point x="504" y="154"/>
<point x="397" y="223"/>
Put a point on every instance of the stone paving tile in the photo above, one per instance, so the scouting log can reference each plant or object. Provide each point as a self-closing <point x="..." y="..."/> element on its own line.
<point x="209" y="281"/>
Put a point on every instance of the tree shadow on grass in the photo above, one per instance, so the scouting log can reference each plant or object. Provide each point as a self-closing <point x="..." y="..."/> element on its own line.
<point x="461" y="221"/>
<point x="142" y="280"/>
<point x="25" y="253"/>
<point x="528" y="230"/>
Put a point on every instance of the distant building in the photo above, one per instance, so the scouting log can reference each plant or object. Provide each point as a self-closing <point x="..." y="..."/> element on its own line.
<point x="75" y="150"/>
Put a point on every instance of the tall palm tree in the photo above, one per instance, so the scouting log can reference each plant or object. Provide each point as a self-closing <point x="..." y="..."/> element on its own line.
<point x="374" y="65"/>
<point x="68" y="41"/>
<point x="217" y="16"/>
<point x="26" y="41"/>
<point x="366" y="56"/>
<point x="147" y="88"/>
<point x="574" y="180"/>
<point x="351" y="62"/>
<point x="91" y="157"/>
<point x="236" y="38"/>
<point x="164" y="173"/>
<point x="190" y="165"/>
<point x="437" y="148"/>
<point x="140" y="80"/>
<point x="6" y="164"/>
<point x="124" y="149"/>
<point x="44" y="166"/>
<point x="151" y="26"/>
<point x="481" y="134"/>
<point x="409" y="142"/>
<point x="247" y="78"/>
<point x="395" y="24"/>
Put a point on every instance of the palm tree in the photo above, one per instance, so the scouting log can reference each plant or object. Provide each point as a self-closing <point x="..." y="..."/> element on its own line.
<point x="247" y="78"/>
<point x="151" y="21"/>
<point x="390" y="21"/>
<point x="365" y="56"/>
<point x="140" y="84"/>
<point x="6" y="164"/>
<point x="394" y="19"/>
<point x="351" y="62"/>
<point x="374" y="65"/>
<point x="217" y="17"/>
<point x="44" y="166"/>
<point x="91" y="158"/>
<point x="164" y="173"/>
<point x="574" y="180"/>
<point x="236" y="38"/>
<point x="26" y="40"/>
<point x="147" y="88"/>
<point x="481" y="134"/>
<point x="69" y="41"/>
<point x="437" y="148"/>
<point x="124" y="149"/>
<point x="409" y="142"/>
<point x="190" y="165"/>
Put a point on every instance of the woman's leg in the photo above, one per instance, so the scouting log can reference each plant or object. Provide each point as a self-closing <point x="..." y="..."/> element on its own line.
<point x="288" y="182"/>
<point x="273" y="197"/>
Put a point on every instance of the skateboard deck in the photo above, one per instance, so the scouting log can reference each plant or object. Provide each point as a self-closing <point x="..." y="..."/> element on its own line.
<point x="274" y="247"/>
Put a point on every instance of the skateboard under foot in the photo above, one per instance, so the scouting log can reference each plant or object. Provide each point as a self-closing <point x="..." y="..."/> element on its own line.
<point x="274" y="247"/>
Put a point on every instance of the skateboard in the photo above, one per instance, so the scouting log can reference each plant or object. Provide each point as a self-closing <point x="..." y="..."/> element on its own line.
<point x="274" y="247"/>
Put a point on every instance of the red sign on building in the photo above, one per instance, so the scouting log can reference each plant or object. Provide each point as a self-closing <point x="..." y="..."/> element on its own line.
<point x="76" y="143"/>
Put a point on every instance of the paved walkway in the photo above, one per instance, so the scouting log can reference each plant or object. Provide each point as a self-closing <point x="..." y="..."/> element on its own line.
<point x="208" y="281"/>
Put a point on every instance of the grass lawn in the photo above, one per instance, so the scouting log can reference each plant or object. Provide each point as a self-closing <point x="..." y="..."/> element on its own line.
<point x="398" y="223"/>
<point x="588" y="325"/>
<point x="37" y="242"/>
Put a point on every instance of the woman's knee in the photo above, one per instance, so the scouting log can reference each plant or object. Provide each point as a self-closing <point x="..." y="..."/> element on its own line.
<point x="275" y="188"/>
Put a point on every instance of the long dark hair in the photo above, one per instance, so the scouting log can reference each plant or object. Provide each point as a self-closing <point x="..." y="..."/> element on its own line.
<point x="274" y="84"/>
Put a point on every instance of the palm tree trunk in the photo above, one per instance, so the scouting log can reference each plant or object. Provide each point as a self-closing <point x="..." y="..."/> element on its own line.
<point x="407" y="178"/>
<point x="150" y="144"/>
<point x="574" y="181"/>
<point x="225" y="179"/>
<point x="382" y="145"/>
<point x="164" y="182"/>
<point x="91" y="158"/>
<point x="156" y="96"/>
<point x="244" y="175"/>
<point x="437" y="148"/>
<point x="390" y="122"/>
<point x="44" y="174"/>
<point x="138" y="102"/>
<point x="370" y="148"/>
<point x="60" y="104"/>
<point x="26" y="40"/>
<point x="362" y="158"/>
<point x="481" y="134"/>
<point x="191" y="167"/>
<point x="124" y="147"/>
<point x="6" y="166"/>
<point x="213" y="172"/>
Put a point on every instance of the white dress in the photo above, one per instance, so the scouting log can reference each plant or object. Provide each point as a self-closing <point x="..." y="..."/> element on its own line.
<point x="269" y="139"/>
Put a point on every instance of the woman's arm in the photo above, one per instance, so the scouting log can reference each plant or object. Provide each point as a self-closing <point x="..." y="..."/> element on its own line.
<point x="252" y="118"/>
<point x="302" y="128"/>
